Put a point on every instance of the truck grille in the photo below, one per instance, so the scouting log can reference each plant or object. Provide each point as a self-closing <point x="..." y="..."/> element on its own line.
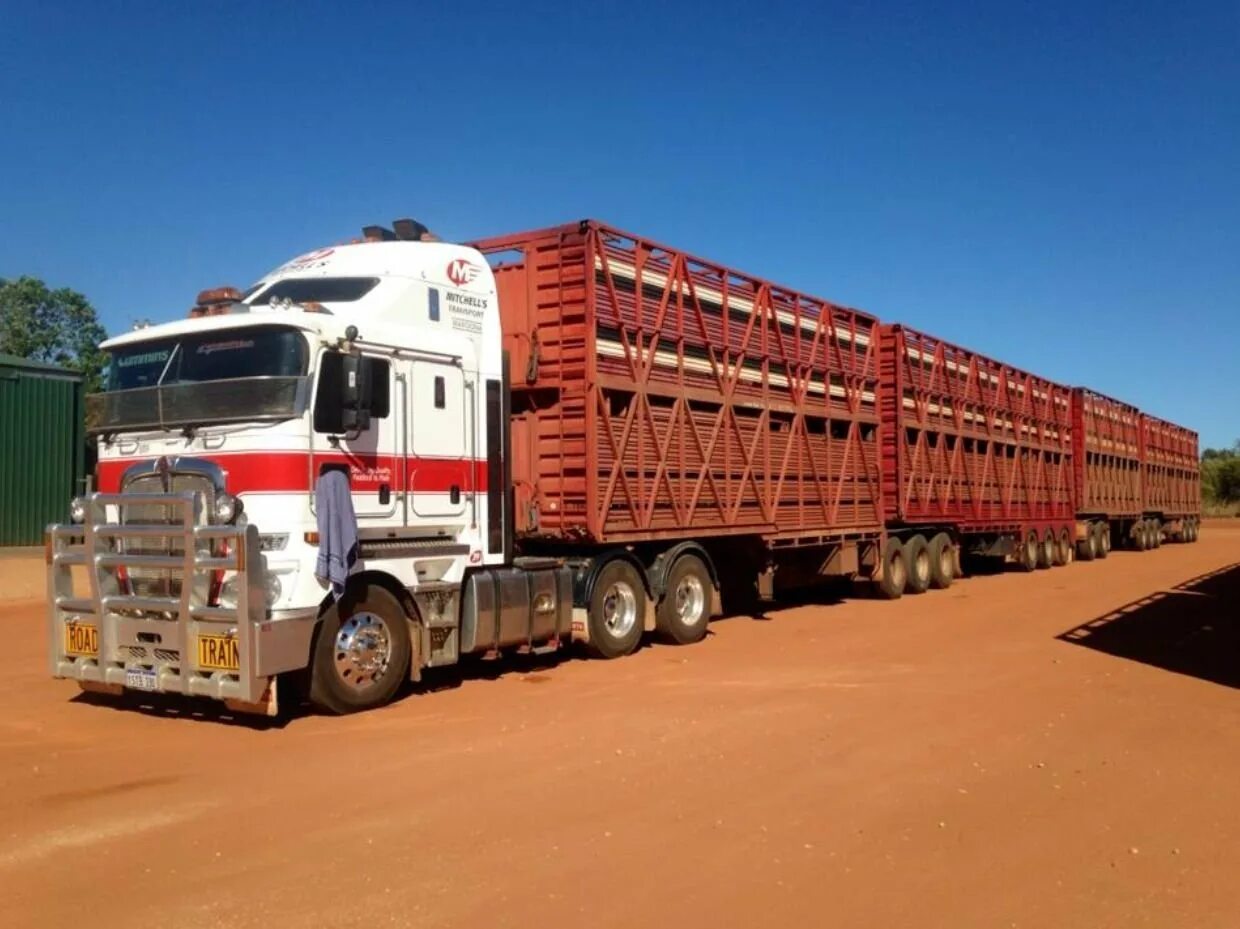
<point x="148" y="582"/>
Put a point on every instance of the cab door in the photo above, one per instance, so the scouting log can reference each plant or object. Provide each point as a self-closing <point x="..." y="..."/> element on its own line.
<point x="439" y="468"/>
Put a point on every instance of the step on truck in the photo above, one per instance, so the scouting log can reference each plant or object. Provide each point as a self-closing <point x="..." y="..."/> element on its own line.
<point x="568" y="435"/>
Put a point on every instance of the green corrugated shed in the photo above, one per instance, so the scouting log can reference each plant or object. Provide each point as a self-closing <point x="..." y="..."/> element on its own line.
<point x="42" y="447"/>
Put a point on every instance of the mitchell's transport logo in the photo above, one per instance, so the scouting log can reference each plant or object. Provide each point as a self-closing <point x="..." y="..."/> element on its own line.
<point x="462" y="272"/>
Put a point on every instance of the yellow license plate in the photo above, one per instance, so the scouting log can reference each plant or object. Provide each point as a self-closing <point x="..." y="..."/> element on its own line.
<point x="82" y="639"/>
<point x="218" y="653"/>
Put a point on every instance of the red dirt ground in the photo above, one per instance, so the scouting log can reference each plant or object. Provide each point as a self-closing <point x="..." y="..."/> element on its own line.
<point x="976" y="757"/>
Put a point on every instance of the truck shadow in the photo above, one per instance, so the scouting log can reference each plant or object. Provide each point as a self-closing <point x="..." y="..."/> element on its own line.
<point x="194" y="709"/>
<point x="1193" y="628"/>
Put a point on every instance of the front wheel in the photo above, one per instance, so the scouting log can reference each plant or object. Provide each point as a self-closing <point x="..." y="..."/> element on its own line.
<point x="361" y="654"/>
<point x="685" y="609"/>
<point x="617" y="611"/>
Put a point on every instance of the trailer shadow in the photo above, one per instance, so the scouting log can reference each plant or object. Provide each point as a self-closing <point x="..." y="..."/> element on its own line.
<point x="1193" y="628"/>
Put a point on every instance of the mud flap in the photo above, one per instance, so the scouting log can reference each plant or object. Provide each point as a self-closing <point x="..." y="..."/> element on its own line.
<point x="267" y="705"/>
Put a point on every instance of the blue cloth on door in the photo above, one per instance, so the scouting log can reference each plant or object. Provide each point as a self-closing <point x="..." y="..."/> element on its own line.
<point x="333" y="504"/>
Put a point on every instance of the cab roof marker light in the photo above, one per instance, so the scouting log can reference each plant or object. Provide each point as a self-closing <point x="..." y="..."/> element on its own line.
<point x="410" y="230"/>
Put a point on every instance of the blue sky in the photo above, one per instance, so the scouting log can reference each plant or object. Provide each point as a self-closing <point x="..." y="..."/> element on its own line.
<point x="1056" y="184"/>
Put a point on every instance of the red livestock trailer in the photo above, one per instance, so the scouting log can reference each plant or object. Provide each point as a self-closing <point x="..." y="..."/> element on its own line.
<point x="1170" y="482"/>
<point x="664" y="404"/>
<point x="1106" y="440"/>
<point x="977" y="455"/>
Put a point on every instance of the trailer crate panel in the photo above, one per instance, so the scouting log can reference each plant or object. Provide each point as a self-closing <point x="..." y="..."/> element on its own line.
<point x="1171" y="468"/>
<point x="657" y="395"/>
<point x="969" y="441"/>
<point x="1106" y="455"/>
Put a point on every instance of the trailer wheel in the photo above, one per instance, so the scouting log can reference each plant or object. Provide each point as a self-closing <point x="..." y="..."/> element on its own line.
<point x="1155" y="534"/>
<point x="617" y="606"/>
<point x="1141" y="536"/>
<point x="917" y="559"/>
<point x="685" y="609"/>
<point x="1104" y="529"/>
<point x="942" y="561"/>
<point x="1192" y="532"/>
<point x="1099" y="534"/>
<point x="361" y="654"/>
<point x="895" y="571"/>
<point x="1085" y="549"/>
<point x="1046" y="551"/>
<point x="1027" y="557"/>
<point x="1064" y="549"/>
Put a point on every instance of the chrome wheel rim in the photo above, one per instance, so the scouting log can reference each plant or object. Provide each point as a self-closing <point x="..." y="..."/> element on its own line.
<point x="690" y="600"/>
<point x="363" y="650"/>
<point x="619" y="609"/>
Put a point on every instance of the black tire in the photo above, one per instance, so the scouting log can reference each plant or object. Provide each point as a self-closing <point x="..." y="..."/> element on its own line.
<point x="1064" y="549"/>
<point x="1085" y="548"/>
<point x="1046" y="551"/>
<point x="943" y="560"/>
<point x="895" y="571"/>
<point x="917" y="558"/>
<point x="617" y="611"/>
<point x="684" y="611"/>
<point x="361" y="652"/>
<point x="1155" y="534"/>
<point x="1027" y="555"/>
<point x="1099" y="533"/>
<point x="1140" y="536"/>
<point x="1194" y="530"/>
<point x="1104" y="533"/>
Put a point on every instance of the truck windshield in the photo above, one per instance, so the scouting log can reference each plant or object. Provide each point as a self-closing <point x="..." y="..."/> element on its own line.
<point x="254" y="373"/>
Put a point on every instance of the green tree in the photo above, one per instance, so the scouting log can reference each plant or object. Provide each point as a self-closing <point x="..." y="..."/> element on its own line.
<point x="57" y="326"/>
<point x="1220" y="474"/>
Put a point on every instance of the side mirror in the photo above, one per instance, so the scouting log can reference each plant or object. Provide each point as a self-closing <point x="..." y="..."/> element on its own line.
<point x="357" y="393"/>
<point x="345" y="394"/>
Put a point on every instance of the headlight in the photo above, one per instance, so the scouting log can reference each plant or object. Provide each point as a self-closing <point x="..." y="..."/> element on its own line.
<point x="228" y="595"/>
<point x="227" y="508"/>
<point x="77" y="510"/>
<point x="274" y="590"/>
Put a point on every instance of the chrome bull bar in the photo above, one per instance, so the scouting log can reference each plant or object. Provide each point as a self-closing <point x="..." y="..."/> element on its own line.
<point x="154" y="640"/>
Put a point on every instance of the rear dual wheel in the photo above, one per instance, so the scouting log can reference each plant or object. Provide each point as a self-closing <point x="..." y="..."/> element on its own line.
<point x="894" y="577"/>
<point x="684" y="611"/>
<point x="944" y="561"/>
<point x="1102" y="539"/>
<point x="917" y="558"/>
<point x="1030" y="551"/>
<point x="1064" y="549"/>
<point x="1046" y="551"/>
<point x="617" y="610"/>
<point x="1087" y="548"/>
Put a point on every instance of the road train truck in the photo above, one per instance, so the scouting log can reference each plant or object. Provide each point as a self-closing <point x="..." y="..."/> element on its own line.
<point x="571" y="435"/>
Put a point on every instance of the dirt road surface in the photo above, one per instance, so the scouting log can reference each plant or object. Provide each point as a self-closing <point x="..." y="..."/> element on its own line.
<point x="1048" y="750"/>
